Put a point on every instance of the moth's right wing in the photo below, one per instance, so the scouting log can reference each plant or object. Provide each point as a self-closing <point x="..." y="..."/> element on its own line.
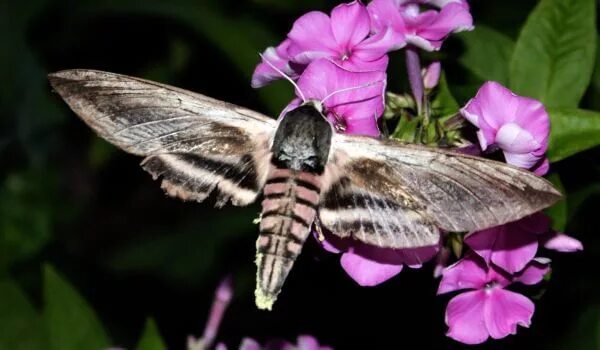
<point x="195" y="143"/>
<point x="395" y="195"/>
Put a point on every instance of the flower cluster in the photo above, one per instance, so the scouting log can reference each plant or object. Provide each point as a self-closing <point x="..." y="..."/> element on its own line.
<point x="350" y="47"/>
<point x="341" y="59"/>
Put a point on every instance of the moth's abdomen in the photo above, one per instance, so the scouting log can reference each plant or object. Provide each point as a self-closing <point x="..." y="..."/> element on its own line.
<point x="288" y="211"/>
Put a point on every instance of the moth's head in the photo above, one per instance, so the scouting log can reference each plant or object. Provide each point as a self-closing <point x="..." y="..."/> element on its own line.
<point x="303" y="139"/>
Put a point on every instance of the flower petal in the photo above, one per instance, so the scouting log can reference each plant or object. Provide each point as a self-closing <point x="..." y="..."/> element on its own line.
<point x="368" y="272"/>
<point x="376" y="46"/>
<point x="522" y="160"/>
<point x="533" y="117"/>
<point x="504" y="310"/>
<point x="432" y="75"/>
<point x="278" y="57"/>
<point x="483" y="241"/>
<point x="542" y="167"/>
<point x="561" y="242"/>
<point x="469" y="272"/>
<point x="362" y="126"/>
<point x="507" y="246"/>
<point x="311" y="37"/>
<point x="464" y="317"/>
<point x="513" y="250"/>
<point x="307" y="342"/>
<point x="514" y="139"/>
<point x="533" y="273"/>
<point x="452" y="18"/>
<point x="319" y="79"/>
<point x="359" y="107"/>
<point x="249" y="344"/>
<point x="350" y="24"/>
<point x="384" y="13"/>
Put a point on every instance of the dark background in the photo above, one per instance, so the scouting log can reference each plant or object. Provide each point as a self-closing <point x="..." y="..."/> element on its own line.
<point x="70" y="199"/>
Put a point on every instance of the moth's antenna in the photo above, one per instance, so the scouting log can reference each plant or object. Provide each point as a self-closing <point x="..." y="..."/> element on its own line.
<point x="285" y="76"/>
<point x="350" y="89"/>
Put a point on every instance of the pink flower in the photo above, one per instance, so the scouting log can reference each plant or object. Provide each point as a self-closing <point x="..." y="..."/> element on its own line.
<point x="357" y="108"/>
<point x="512" y="246"/>
<point x="427" y="28"/>
<point x="304" y="342"/>
<point x="431" y="75"/>
<point x="519" y="126"/>
<point x="488" y="310"/>
<point x="344" y="38"/>
<point x="369" y="265"/>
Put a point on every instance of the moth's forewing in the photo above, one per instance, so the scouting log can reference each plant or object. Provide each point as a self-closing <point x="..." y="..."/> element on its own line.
<point x="449" y="190"/>
<point x="196" y="144"/>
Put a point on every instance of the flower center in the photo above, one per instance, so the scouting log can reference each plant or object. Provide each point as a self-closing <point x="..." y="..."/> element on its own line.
<point x="490" y="285"/>
<point x="346" y="55"/>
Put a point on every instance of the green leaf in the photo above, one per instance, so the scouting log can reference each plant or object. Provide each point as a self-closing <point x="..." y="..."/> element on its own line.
<point x="554" y="55"/>
<point x="558" y="212"/>
<point x="21" y="327"/>
<point x="151" y="339"/>
<point x="28" y="206"/>
<point x="444" y="104"/>
<point x="573" y="131"/>
<point x="594" y="96"/>
<point x="406" y="130"/>
<point x="487" y="53"/>
<point x="70" y="322"/>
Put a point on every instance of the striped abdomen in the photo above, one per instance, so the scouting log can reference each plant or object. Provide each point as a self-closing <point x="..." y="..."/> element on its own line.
<point x="288" y="210"/>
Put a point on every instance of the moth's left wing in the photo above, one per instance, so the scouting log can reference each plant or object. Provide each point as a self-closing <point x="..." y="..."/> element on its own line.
<point x="396" y="195"/>
<point x="195" y="143"/>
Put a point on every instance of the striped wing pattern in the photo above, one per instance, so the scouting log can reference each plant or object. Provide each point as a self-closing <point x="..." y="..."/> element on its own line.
<point x="195" y="143"/>
<point x="351" y="211"/>
<point x="427" y="186"/>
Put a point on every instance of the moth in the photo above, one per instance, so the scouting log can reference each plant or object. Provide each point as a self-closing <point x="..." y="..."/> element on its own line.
<point x="379" y="192"/>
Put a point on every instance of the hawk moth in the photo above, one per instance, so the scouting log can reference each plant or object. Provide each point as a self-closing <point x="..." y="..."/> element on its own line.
<point x="379" y="192"/>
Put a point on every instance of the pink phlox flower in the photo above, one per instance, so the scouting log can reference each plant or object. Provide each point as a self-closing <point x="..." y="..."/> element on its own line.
<point x="370" y="265"/>
<point x="344" y="38"/>
<point x="424" y="23"/>
<point x="511" y="246"/>
<point x="431" y="75"/>
<point x="519" y="126"/>
<point x="354" y="111"/>
<point x="487" y="309"/>
<point x="303" y="342"/>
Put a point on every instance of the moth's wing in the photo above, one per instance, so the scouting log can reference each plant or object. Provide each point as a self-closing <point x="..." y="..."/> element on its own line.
<point x="395" y="195"/>
<point x="351" y="209"/>
<point x="195" y="143"/>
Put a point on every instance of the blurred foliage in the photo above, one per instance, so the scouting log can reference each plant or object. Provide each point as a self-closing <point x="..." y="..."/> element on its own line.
<point x="150" y="339"/>
<point x="134" y="256"/>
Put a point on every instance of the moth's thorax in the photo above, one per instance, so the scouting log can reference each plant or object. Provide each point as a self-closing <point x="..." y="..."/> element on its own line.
<point x="302" y="140"/>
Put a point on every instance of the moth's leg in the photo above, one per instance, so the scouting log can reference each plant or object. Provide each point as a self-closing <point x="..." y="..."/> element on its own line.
<point x="319" y="228"/>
